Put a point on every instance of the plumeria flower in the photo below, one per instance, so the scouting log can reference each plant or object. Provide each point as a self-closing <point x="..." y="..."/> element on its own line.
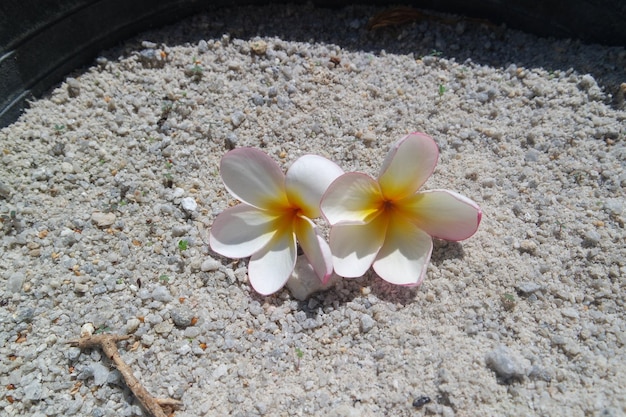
<point x="387" y="223"/>
<point x="276" y="210"/>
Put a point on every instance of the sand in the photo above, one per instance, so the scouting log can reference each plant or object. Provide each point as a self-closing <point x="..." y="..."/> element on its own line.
<point x="525" y="318"/>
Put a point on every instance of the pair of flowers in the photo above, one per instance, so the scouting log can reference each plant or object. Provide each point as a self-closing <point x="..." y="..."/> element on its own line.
<point x="384" y="223"/>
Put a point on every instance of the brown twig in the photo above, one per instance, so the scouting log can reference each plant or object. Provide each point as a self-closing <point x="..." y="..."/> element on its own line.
<point x="108" y="344"/>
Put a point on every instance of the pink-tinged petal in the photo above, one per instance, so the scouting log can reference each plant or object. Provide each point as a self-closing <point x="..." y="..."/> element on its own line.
<point x="355" y="246"/>
<point x="404" y="257"/>
<point x="315" y="248"/>
<point x="240" y="231"/>
<point x="443" y="214"/>
<point x="270" y="268"/>
<point x="408" y="165"/>
<point x="307" y="180"/>
<point x="253" y="177"/>
<point x="353" y="198"/>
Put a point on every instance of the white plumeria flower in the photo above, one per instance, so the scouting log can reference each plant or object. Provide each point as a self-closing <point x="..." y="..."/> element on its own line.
<point x="275" y="211"/>
<point x="387" y="223"/>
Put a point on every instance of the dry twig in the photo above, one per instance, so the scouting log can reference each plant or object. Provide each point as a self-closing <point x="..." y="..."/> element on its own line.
<point x="108" y="344"/>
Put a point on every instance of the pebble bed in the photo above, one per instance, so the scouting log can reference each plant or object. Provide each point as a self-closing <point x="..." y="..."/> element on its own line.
<point x="109" y="186"/>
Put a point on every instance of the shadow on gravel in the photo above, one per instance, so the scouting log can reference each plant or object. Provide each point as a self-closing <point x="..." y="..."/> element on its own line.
<point x="454" y="38"/>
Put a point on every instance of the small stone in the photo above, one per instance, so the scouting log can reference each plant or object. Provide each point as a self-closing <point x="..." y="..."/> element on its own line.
<point x="203" y="46"/>
<point x="220" y="371"/>
<point x="25" y="315"/>
<point x="230" y="142"/>
<point x="191" y="332"/>
<point x="488" y="182"/>
<point x="209" y="265"/>
<point x="184" y="349"/>
<point x="255" y="308"/>
<point x="591" y="239"/>
<point x="507" y="364"/>
<point x="367" y="323"/>
<point x="73" y="87"/>
<point x="237" y="118"/>
<point x="180" y="230"/>
<point x="164" y="327"/>
<point x="132" y="325"/>
<point x="570" y="313"/>
<point x="528" y="246"/>
<point x="67" y="168"/>
<point x="369" y="138"/>
<point x="74" y="406"/>
<point x="527" y="288"/>
<point x="147" y="339"/>
<point x="5" y="191"/>
<point x="182" y="317"/>
<point x="87" y="330"/>
<point x="189" y="204"/>
<point x="258" y="47"/>
<point x="162" y="294"/>
<point x="15" y="282"/>
<point x="258" y="100"/>
<point x="33" y="391"/>
<point x="614" y="206"/>
<point x="103" y="219"/>
<point x="100" y="373"/>
<point x="80" y="288"/>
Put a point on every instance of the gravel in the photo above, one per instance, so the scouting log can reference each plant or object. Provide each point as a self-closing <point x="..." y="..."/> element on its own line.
<point x="109" y="186"/>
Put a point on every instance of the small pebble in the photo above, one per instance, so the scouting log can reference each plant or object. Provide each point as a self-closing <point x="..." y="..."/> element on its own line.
<point x="182" y="317"/>
<point x="528" y="287"/>
<point x="230" y="142"/>
<point x="162" y="294"/>
<point x="103" y="219"/>
<point x="189" y="204"/>
<point x="258" y="47"/>
<point x="15" y="282"/>
<point x="87" y="330"/>
<point x="367" y="323"/>
<point x="237" y="118"/>
<point x="507" y="364"/>
<point x="210" y="264"/>
<point x="73" y="87"/>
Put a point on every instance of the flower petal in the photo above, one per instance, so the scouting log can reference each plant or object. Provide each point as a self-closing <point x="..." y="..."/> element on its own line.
<point x="355" y="246"/>
<point x="307" y="180"/>
<point x="253" y="177"/>
<point x="408" y="165"/>
<point x="352" y="198"/>
<point x="444" y="214"/>
<point x="315" y="248"/>
<point x="240" y="231"/>
<point x="270" y="268"/>
<point x="404" y="257"/>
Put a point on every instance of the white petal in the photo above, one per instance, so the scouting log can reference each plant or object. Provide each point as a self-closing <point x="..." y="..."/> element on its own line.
<point x="307" y="180"/>
<point x="444" y="214"/>
<point x="240" y="231"/>
<point x="355" y="246"/>
<point x="404" y="257"/>
<point x="270" y="268"/>
<point x="352" y="198"/>
<point x="254" y="178"/>
<point x="408" y="165"/>
<point x="315" y="248"/>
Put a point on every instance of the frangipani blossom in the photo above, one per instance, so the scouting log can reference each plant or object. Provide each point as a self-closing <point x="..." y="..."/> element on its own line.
<point x="387" y="223"/>
<point x="276" y="210"/>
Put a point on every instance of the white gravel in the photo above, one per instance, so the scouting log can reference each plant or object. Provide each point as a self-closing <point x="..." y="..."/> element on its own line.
<point x="109" y="185"/>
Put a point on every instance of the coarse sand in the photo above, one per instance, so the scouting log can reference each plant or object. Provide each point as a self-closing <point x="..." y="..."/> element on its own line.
<point x="100" y="233"/>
